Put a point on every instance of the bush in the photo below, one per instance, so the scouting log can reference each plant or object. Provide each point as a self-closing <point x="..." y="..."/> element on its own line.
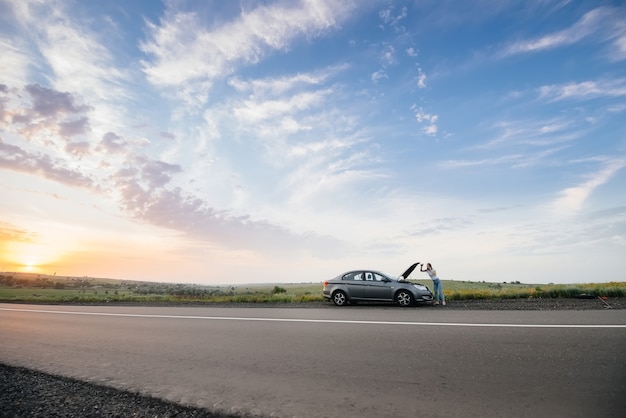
<point x="277" y="290"/>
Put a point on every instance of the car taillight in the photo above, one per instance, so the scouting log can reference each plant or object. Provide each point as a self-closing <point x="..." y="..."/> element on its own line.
<point x="325" y="284"/>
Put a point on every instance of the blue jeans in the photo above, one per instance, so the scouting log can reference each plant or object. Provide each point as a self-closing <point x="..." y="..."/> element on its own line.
<point x="438" y="291"/>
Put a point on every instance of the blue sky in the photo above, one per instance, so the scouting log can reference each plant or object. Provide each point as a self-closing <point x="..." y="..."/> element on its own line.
<point x="288" y="141"/>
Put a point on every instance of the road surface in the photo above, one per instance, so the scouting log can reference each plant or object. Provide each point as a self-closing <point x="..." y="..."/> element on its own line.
<point x="335" y="362"/>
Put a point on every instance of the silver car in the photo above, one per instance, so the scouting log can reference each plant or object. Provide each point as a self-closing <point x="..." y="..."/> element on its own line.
<point x="368" y="285"/>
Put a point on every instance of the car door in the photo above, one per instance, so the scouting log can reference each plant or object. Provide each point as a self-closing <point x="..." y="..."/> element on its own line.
<point x="377" y="288"/>
<point x="356" y="285"/>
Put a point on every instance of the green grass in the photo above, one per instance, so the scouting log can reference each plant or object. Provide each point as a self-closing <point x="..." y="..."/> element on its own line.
<point x="472" y="290"/>
<point x="21" y="287"/>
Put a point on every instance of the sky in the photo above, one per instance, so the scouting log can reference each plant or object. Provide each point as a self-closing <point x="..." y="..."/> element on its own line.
<point x="275" y="141"/>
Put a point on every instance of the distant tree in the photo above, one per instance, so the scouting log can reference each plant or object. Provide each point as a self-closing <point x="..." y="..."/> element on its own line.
<point x="279" y="290"/>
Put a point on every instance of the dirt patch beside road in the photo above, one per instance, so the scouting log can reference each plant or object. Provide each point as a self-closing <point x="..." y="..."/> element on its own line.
<point x="538" y="304"/>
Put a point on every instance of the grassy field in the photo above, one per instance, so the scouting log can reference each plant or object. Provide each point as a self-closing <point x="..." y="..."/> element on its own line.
<point x="32" y="288"/>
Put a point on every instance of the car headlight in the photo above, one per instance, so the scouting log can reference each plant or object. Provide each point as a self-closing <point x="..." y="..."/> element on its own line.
<point x="420" y="287"/>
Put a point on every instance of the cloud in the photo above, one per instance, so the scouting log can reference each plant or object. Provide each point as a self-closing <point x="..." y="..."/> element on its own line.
<point x="506" y="159"/>
<point x="48" y="115"/>
<point x="437" y="226"/>
<point x="430" y="119"/>
<point x="167" y="135"/>
<point x="11" y="233"/>
<point x="17" y="159"/>
<point x="184" y="50"/>
<point x="421" y="79"/>
<point x="611" y="214"/>
<point x="584" y="90"/>
<point x="620" y="45"/>
<point x="536" y="133"/>
<point x="80" y="149"/>
<point x="509" y="160"/>
<point x="48" y="102"/>
<point x="76" y="55"/>
<point x="276" y="86"/>
<point x="74" y="127"/>
<point x="253" y="111"/>
<point x="113" y="143"/>
<point x="14" y="65"/>
<point x="145" y="188"/>
<point x="573" y="198"/>
<point x="388" y="56"/>
<point x="590" y="23"/>
<point x="144" y="195"/>
<point x="379" y="75"/>
<point x="392" y="19"/>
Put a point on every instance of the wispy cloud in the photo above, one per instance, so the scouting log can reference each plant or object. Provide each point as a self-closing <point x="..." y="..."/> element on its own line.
<point x="73" y="53"/>
<point x="12" y="233"/>
<point x="586" y="26"/>
<point x="573" y="198"/>
<point x="437" y="226"/>
<point x="584" y="90"/>
<point x="508" y="160"/>
<point x="285" y="84"/>
<point x="534" y="133"/>
<point x="185" y="50"/>
<point x="14" y="65"/>
<point x="253" y="111"/>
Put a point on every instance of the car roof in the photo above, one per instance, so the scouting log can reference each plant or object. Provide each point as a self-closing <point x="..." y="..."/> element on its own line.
<point x="405" y="275"/>
<point x="363" y="270"/>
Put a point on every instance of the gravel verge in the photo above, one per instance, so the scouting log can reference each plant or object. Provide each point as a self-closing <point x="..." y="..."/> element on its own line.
<point x="27" y="393"/>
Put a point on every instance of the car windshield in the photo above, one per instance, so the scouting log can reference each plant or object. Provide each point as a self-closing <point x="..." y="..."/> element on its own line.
<point x="386" y="276"/>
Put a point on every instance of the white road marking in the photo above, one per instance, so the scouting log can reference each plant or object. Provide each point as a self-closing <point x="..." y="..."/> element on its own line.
<point x="321" y="321"/>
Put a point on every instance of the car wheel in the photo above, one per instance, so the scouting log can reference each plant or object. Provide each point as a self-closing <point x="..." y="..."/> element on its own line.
<point x="404" y="298"/>
<point x="340" y="298"/>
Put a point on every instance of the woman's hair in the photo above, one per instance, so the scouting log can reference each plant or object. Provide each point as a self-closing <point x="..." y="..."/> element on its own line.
<point x="429" y="266"/>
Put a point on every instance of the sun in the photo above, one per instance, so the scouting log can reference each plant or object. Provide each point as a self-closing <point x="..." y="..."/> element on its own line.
<point x="30" y="257"/>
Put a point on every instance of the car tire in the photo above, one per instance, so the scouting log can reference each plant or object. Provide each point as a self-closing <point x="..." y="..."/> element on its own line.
<point x="404" y="298"/>
<point x="340" y="298"/>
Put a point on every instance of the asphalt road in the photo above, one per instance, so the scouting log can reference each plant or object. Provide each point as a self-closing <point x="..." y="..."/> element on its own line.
<point x="335" y="362"/>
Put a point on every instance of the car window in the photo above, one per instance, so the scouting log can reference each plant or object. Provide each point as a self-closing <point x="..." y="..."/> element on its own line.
<point x="353" y="276"/>
<point x="378" y="277"/>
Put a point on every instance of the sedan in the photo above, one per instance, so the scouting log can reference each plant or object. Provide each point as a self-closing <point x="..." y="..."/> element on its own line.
<point x="369" y="285"/>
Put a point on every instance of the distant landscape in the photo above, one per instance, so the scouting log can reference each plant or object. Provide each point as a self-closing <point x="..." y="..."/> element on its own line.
<point x="42" y="288"/>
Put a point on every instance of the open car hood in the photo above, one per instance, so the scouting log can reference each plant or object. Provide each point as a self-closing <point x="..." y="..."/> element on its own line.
<point x="408" y="272"/>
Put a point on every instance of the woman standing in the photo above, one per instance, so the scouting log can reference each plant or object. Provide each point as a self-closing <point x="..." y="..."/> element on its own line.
<point x="436" y="283"/>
